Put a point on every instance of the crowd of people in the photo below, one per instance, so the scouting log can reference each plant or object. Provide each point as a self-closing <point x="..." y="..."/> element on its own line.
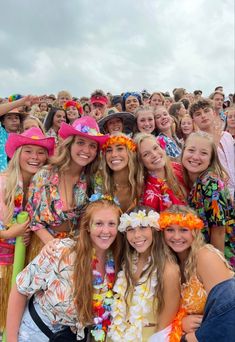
<point x="130" y="233"/>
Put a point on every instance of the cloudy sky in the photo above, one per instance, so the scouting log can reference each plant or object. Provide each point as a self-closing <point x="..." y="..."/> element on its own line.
<point x="116" y="45"/>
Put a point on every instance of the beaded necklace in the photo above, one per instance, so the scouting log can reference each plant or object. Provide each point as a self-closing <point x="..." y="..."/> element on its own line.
<point x="103" y="300"/>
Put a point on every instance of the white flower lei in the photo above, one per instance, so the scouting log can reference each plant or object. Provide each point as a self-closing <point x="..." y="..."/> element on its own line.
<point x="129" y="328"/>
<point x="139" y="219"/>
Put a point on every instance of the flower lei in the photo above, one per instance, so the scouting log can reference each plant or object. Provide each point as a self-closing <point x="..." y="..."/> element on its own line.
<point x="120" y="140"/>
<point x="129" y="328"/>
<point x="176" y="327"/>
<point x="102" y="301"/>
<point x="190" y="221"/>
<point x="139" y="219"/>
<point x="99" y="196"/>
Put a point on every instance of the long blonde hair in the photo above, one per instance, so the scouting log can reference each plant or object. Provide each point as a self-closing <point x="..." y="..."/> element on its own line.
<point x="61" y="162"/>
<point x="83" y="249"/>
<point x="170" y="178"/>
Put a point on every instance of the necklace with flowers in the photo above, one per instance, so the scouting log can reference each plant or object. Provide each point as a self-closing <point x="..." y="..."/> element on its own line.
<point x="18" y="207"/>
<point x="102" y="300"/>
<point x="127" y="324"/>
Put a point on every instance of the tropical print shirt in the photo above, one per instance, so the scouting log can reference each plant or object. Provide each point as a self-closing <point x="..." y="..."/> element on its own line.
<point x="211" y="199"/>
<point x="50" y="280"/>
<point x="169" y="145"/>
<point x="45" y="205"/>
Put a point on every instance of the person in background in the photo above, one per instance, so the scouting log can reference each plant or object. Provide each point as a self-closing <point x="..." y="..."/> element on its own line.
<point x="197" y="95"/>
<point x="116" y="102"/>
<point x="32" y="121"/>
<point x="217" y="98"/>
<point x="165" y="136"/>
<point x="116" y="121"/>
<point x="156" y="99"/>
<point x="204" y="118"/>
<point x="53" y="121"/>
<point x="186" y="126"/>
<point x="144" y="119"/>
<point x="62" y="97"/>
<point x="73" y="110"/>
<point x="131" y="101"/>
<point x="99" y="104"/>
<point x="230" y="112"/>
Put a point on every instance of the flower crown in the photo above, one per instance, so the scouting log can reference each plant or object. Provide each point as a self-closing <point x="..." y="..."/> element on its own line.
<point x="139" y="219"/>
<point x="190" y="221"/>
<point x="98" y="196"/>
<point x="121" y="140"/>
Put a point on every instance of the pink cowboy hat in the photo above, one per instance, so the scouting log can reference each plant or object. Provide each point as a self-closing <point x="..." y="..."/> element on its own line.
<point x="32" y="136"/>
<point x="85" y="127"/>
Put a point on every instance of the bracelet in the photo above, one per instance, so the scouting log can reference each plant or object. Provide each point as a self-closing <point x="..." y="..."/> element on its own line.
<point x="183" y="338"/>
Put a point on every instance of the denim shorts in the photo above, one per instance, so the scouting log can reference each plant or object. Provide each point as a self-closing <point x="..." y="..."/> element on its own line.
<point x="218" y="322"/>
<point x="29" y="331"/>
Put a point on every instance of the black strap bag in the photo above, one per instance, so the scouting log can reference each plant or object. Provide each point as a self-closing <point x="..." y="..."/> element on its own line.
<point x="65" y="335"/>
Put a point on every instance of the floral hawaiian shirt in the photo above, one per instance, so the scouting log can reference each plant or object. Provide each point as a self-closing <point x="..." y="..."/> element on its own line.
<point x="169" y="145"/>
<point x="45" y="206"/>
<point x="211" y="199"/>
<point x="50" y="279"/>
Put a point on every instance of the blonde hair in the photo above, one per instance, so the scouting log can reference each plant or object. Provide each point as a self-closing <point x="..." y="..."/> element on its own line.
<point x="158" y="261"/>
<point x="170" y="178"/>
<point x="62" y="161"/>
<point x="142" y="109"/>
<point x="133" y="174"/>
<point x="190" y="266"/>
<point x="33" y="118"/>
<point x="180" y="133"/>
<point x="215" y="164"/>
<point x="83" y="285"/>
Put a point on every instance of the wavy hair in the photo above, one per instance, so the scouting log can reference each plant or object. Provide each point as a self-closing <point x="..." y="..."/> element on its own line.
<point x="83" y="249"/>
<point x="134" y="177"/>
<point x="158" y="261"/>
<point x="170" y="178"/>
<point x="62" y="161"/>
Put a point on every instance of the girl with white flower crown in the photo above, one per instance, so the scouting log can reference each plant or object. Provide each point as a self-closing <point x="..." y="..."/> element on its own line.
<point x="148" y="288"/>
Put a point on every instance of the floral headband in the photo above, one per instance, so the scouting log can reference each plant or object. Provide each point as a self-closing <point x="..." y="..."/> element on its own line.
<point x="189" y="221"/>
<point x="98" y="196"/>
<point x="139" y="219"/>
<point x="120" y="140"/>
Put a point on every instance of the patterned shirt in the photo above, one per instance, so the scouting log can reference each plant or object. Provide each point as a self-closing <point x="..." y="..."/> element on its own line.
<point x="45" y="205"/>
<point x="169" y="145"/>
<point x="51" y="282"/>
<point x="211" y="199"/>
<point x="3" y="155"/>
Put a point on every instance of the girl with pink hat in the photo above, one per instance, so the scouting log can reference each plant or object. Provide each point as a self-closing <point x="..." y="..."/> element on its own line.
<point x="59" y="191"/>
<point x="28" y="152"/>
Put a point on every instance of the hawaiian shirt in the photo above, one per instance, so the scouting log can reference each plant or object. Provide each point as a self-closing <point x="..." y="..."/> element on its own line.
<point x="50" y="279"/>
<point x="45" y="206"/>
<point x="211" y="199"/>
<point x="3" y="155"/>
<point x="169" y="145"/>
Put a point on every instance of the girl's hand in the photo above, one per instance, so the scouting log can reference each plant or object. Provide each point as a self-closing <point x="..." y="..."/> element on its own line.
<point x="17" y="229"/>
<point x="50" y="248"/>
<point x="191" y="323"/>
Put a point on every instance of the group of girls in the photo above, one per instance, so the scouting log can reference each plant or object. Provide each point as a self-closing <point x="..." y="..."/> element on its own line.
<point x="139" y="305"/>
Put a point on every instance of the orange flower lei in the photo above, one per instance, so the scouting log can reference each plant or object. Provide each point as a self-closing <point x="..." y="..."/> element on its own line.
<point x="121" y="140"/>
<point x="190" y="221"/>
<point x="176" y="330"/>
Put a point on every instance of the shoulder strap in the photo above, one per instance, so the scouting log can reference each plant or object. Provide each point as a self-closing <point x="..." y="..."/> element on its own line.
<point x="38" y="321"/>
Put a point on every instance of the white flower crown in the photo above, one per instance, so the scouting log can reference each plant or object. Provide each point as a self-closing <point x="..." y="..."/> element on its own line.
<point x="139" y="219"/>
